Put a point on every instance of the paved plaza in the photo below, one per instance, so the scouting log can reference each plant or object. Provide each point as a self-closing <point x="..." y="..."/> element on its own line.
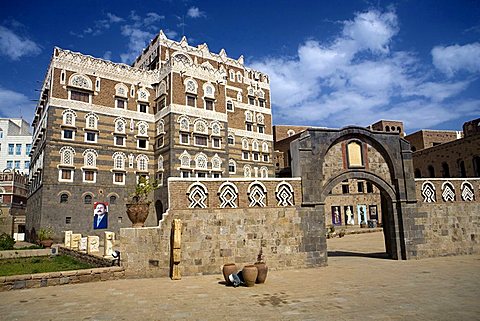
<point x="358" y="284"/>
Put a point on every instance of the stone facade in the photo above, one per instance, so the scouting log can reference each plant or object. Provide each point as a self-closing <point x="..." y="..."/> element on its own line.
<point x="427" y="138"/>
<point x="13" y="201"/>
<point x="180" y="111"/>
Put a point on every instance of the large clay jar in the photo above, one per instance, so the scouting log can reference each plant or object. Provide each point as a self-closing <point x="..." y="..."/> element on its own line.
<point x="250" y="273"/>
<point x="137" y="213"/>
<point x="228" y="269"/>
<point x="262" y="272"/>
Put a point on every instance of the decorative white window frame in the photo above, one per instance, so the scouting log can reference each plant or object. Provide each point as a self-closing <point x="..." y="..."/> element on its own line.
<point x="448" y="192"/>
<point x="119" y="156"/>
<point x="197" y="194"/>
<point x="181" y="57"/>
<point x="196" y="124"/>
<point x="162" y="88"/>
<point x="65" y="114"/>
<point x="198" y="159"/>
<point x="255" y="145"/>
<point x="160" y="163"/>
<point x="239" y="76"/>
<point x="63" y="77"/>
<point x="91" y="118"/>
<point x="72" y="173"/>
<point x="68" y="139"/>
<point x="216" y="138"/>
<point x="63" y="151"/>
<point x="115" y="141"/>
<point x="239" y="96"/>
<point x="245" y="144"/>
<point x="248" y="116"/>
<point x="467" y="192"/>
<point x="232" y="75"/>
<point x="125" y="100"/>
<point x="183" y="158"/>
<point x="260" y="119"/>
<point x="132" y="91"/>
<point x="94" y="176"/>
<point x="247" y="171"/>
<point x="216" y="128"/>
<point x="184" y="126"/>
<point x="216" y="160"/>
<point x="208" y="90"/>
<point x="231" y="135"/>
<point x="80" y="81"/>
<point x="257" y="194"/>
<point x="160" y="127"/>
<point x="118" y="91"/>
<point x="229" y="101"/>
<point x="263" y="172"/>
<point x="123" y="178"/>
<point x="428" y="192"/>
<point x="89" y="141"/>
<point x="139" y="159"/>
<point x="186" y="135"/>
<point x="265" y="147"/>
<point x="192" y="89"/>
<point x="146" y="104"/>
<point x="89" y="153"/>
<point x="97" y="84"/>
<point x="143" y="95"/>
<point x="247" y="153"/>
<point x="147" y="143"/>
<point x="284" y="194"/>
<point x="117" y="120"/>
<point x="144" y="125"/>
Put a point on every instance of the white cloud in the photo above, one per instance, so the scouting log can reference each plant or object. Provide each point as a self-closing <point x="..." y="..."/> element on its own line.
<point x="152" y="18"/>
<point x="107" y="55"/>
<point x="357" y="79"/>
<point x="113" y="18"/>
<point x="15" y="105"/>
<point x="194" y="12"/>
<point x="14" y="46"/>
<point x="453" y="59"/>
<point x="171" y="34"/>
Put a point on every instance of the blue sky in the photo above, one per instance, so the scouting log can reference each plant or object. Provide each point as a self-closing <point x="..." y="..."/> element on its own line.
<point x="331" y="63"/>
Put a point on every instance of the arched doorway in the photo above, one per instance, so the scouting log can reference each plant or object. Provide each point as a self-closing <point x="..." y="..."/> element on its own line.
<point x="159" y="210"/>
<point x="324" y="158"/>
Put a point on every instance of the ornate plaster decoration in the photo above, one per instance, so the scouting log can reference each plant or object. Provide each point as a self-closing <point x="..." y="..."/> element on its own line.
<point x="468" y="194"/>
<point x="257" y="194"/>
<point x="284" y="194"/>
<point x="448" y="192"/>
<point x="228" y="195"/>
<point x="197" y="195"/>
<point x="428" y="192"/>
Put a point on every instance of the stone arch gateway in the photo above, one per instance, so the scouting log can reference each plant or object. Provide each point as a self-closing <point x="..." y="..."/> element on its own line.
<point x="323" y="158"/>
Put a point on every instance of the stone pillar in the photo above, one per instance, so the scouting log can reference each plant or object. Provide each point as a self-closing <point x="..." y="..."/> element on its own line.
<point x="75" y="240"/>
<point x="176" y="249"/>
<point x="68" y="239"/>
<point x="108" y="244"/>
<point x="93" y="244"/>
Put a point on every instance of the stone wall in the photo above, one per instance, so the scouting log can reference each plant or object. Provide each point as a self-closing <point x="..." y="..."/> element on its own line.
<point x="290" y="237"/>
<point x="449" y="211"/>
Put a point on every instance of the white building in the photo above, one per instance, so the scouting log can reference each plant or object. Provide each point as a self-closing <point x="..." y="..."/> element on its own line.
<point x="15" y="144"/>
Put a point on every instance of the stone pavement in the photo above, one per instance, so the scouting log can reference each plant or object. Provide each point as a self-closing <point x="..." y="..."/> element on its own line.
<point x="358" y="284"/>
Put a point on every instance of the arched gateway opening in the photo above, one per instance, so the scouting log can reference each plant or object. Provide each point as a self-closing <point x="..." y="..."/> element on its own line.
<point x="328" y="158"/>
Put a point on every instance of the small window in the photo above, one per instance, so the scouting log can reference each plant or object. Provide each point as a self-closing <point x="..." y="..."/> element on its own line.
<point x="265" y="157"/>
<point x="369" y="187"/>
<point x="121" y="103"/>
<point x="245" y="155"/>
<point x="160" y="141"/>
<point x="68" y="220"/>
<point x="119" y="178"/>
<point x="255" y="156"/>
<point x="202" y="174"/>
<point x="231" y="168"/>
<point x="142" y="143"/>
<point x="360" y="187"/>
<point x="90" y="137"/>
<point x="119" y="141"/>
<point x="64" y="198"/>
<point x="184" y="139"/>
<point x="67" y="134"/>
<point x="216" y="175"/>
<point x="200" y="140"/>
<point x="191" y="101"/>
<point x="261" y="129"/>
<point x="113" y="199"/>
<point x="87" y="199"/>
<point x="229" y="106"/>
<point x="185" y="174"/>
<point x="142" y="108"/>
<point x="216" y="142"/>
<point x="231" y="140"/>
<point x="79" y="96"/>
<point x="89" y="176"/>
<point x="249" y="127"/>
<point x="251" y="100"/>
<point x="66" y="174"/>
<point x="261" y="103"/>
<point x="345" y="189"/>
<point x="208" y="104"/>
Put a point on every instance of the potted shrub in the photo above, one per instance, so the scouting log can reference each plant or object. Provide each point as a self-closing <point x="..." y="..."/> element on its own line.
<point x="45" y="235"/>
<point x="137" y="209"/>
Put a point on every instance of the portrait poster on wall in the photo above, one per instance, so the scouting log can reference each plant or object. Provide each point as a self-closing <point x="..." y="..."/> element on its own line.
<point x="349" y="219"/>
<point x="336" y="215"/>
<point x="100" y="215"/>
<point x="362" y="214"/>
<point x="373" y="212"/>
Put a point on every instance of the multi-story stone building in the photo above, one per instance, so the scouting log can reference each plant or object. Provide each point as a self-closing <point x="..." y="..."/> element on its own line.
<point x="13" y="201"/>
<point x="15" y="144"/>
<point x="179" y="111"/>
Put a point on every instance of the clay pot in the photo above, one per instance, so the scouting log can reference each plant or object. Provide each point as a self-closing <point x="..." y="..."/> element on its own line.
<point x="228" y="269"/>
<point x="46" y="243"/>
<point x="250" y="273"/>
<point x="262" y="272"/>
<point x="137" y="213"/>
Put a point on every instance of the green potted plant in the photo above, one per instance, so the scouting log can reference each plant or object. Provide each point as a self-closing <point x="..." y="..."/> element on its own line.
<point x="45" y="235"/>
<point x="137" y="209"/>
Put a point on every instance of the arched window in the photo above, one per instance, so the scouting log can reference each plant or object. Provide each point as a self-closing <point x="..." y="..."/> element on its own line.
<point x="244" y="143"/>
<point x="119" y="160"/>
<point x="248" y="116"/>
<point x="231" y="139"/>
<point x="80" y="81"/>
<point x="113" y="199"/>
<point x="67" y="154"/>
<point x="185" y="159"/>
<point x="190" y="86"/>
<point x="121" y="90"/>
<point x="201" y="161"/>
<point x="90" y="158"/>
<point x="120" y="125"/>
<point x="232" y="166"/>
<point x="184" y="123"/>
<point x="143" y="94"/>
<point x="265" y="147"/>
<point x="87" y="199"/>
<point x="387" y="128"/>
<point x="260" y="118"/>
<point x="209" y="90"/>
<point x="142" y="163"/>
<point x="216" y="162"/>
<point x="215" y="128"/>
<point x="64" y="198"/>
<point x="200" y="126"/>
<point x="431" y="171"/>
<point x="476" y="166"/>
<point x="290" y="132"/>
<point x="142" y="128"/>
<point x="255" y="145"/>
<point x="179" y="57"/>
<point x="247" y="171"/>
<point x="160" y="127"/>
<point x="160" y="163"/>
<point x="69" y="117"/>
<point x="461" y="168"/>
<point x="264" y="172"/>
<point x="445" y="170"/>
<point x="91" y="121"/>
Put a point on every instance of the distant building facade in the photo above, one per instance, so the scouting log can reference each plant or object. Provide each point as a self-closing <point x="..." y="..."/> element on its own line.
<point x="13" y="201"/>
<point x="179" y="111"/>
<point x="15" y="144"/>
<point x="445" y="154"/>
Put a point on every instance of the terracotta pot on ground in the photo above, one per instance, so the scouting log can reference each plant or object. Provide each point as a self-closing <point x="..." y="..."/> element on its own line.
<point x="137" y="213"/>
<point x="228" y="269"/>
<point x="250" y="273"/>
<point x="46" y="243"/>
<point x="262" y="272"/>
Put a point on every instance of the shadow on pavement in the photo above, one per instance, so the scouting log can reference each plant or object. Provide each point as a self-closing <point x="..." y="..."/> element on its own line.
<point x="377" y="255"/>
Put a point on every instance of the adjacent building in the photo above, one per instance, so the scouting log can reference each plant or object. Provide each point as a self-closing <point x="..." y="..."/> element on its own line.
<point x="15" y="144"/>
<point x="13" y="201"/>
<point x="179" y="111"/>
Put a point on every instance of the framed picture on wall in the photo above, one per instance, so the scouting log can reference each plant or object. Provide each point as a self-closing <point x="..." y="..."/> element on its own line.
<point x="362" y="214"/>
<point x="349" y="217"/>
<point x="336" y="215"/>
<point x="372" y="209"/>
